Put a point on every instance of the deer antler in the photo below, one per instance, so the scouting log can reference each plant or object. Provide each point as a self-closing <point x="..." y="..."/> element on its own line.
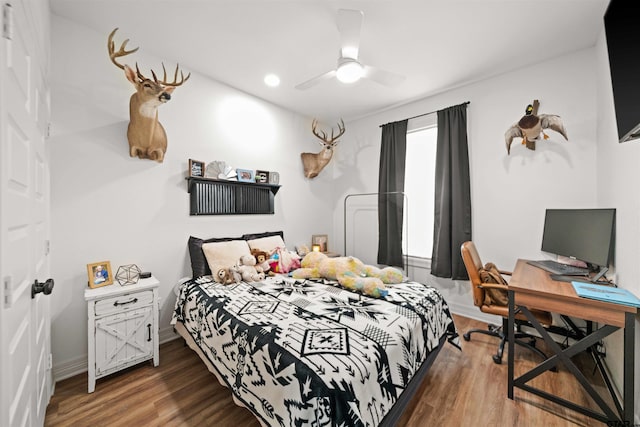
<point x="323" y="136"/>
<point x="122" y="52"/>
<point x="175" y="82"/>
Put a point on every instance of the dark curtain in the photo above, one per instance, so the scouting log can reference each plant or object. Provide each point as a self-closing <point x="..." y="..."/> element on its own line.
<point x="452" y="211"/>
<point x="390" y="206"/>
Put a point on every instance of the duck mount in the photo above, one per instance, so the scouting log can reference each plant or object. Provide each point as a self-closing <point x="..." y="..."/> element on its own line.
<point x="531" y="126"/>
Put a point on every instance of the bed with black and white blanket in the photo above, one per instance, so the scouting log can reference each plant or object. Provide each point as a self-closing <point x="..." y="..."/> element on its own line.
<point x="309" y="352"/>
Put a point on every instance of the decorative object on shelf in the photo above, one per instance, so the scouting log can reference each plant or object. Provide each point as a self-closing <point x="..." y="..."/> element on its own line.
<point x="532" y="125"/>
<point x="321" y="241"/>
<point x="128" y="274"/>
<point x="99" y="274"/>
<point x="219" y="169"/>
<point x="274" y="178"/>
<point x="314" y="162"/>
<point x="196" y="168"/>
<point x="262" y="177"/>
<point x="245" y="175"/>
<point x="147" y="138"/>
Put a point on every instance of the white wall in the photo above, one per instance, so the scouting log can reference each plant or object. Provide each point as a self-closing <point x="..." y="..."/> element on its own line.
<point x="108" y="206"/>
<point x="509" y="193"/>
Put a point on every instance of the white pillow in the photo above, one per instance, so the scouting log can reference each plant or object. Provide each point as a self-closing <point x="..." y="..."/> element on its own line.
<point x="267" y="244"/>
<point x="224" y="254"/>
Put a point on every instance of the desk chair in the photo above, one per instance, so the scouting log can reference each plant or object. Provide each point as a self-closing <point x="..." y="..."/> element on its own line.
<point x="474" y="268"/>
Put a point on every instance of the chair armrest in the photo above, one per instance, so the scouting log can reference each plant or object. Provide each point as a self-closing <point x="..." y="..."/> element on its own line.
<point x="508" y="273"/>
<point x="493" y="286"/>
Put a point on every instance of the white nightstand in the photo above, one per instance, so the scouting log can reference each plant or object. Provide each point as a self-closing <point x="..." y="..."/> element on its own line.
<point x="122" y="327"/>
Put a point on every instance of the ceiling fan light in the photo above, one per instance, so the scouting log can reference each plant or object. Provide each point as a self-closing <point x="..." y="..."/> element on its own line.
<point x="349" y="72"/>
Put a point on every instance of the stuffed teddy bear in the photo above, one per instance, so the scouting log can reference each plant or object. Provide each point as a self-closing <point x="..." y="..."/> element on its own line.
<point x="350" y="272"/>
<point x="223" y="275"/>
<point x="247" y="269"/>
<point x="262" y="261"/>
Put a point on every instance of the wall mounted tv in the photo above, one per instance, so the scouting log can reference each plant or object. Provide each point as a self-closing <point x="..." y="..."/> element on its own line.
<point x="623" y="46"/>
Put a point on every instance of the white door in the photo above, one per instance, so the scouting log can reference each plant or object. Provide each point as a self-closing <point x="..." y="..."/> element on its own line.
<point x="25" y="366"/>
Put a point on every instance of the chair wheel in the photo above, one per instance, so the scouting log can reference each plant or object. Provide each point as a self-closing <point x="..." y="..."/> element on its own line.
<point x="466" y="336"/>
<point x="497" y="360"/>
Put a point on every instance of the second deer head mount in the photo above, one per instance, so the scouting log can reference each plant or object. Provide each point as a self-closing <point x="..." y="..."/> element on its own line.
<point x="314" y="162"/>
<point x="147" y="138"/>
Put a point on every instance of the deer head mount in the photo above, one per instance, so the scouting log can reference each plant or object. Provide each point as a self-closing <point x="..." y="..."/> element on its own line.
<point x="314" y="162"/>
<point x="147" y="138"/>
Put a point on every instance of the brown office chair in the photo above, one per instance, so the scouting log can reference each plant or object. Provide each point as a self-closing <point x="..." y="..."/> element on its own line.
<point x="474" y="268"/>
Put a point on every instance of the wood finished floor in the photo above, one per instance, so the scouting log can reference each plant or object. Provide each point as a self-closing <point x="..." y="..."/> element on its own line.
<point x="463" y="388"/>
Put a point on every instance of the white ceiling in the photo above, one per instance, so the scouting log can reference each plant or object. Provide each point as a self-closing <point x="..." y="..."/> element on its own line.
<point x="436" y="44"/>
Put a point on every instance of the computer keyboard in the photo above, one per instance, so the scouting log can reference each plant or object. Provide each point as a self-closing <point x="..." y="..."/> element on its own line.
<point x="559" y="268"/>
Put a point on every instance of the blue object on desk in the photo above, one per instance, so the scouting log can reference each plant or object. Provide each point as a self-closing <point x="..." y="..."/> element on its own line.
<point x="606" y="293"/>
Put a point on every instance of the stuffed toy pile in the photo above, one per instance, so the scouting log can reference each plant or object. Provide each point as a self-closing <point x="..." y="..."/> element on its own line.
<point x="350" y="272"/>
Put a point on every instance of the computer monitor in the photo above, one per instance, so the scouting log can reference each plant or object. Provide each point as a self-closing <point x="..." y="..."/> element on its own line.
<point x="583" y="234"/>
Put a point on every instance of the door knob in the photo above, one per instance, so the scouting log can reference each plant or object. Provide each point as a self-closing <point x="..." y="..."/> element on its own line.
<point x="38" y="287"/>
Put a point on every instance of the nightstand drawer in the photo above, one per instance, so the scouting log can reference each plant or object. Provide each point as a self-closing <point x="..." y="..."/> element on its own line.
<point x="123" y="302"/>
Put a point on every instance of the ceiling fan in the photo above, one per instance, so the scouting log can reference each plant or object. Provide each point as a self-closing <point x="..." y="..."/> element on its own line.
<point x="349" y="69"/>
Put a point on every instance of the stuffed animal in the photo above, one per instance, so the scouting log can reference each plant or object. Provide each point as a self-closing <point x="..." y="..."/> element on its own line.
<point x="283" y="261"/>
<point x="350" y="272"/>
<point x="262" y="261"/>
<point x="223" y="275"/>
<point x="247" y="269"/>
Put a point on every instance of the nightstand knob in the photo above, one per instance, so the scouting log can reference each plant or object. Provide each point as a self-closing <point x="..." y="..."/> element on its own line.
<point x="37" y="287"/>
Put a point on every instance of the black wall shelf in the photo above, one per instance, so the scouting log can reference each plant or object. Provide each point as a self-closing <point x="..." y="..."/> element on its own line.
<point x="220" y="197"/>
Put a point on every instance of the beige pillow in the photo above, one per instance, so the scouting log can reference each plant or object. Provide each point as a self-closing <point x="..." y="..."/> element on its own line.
<point x="267" y="244"/>
<point x="224" y="254"/>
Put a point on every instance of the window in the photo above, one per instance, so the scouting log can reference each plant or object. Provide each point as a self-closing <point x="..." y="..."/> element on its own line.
<point x="419" y="185"/>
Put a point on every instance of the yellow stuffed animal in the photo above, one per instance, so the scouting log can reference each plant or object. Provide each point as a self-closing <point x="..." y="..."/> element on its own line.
<point x="350" y="272"/>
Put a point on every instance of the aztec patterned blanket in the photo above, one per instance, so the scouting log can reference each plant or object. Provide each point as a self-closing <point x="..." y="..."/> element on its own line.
<point x="308" y="352"/>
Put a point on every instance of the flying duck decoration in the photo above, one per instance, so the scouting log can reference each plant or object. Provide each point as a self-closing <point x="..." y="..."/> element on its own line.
<point x="532" y="125"/>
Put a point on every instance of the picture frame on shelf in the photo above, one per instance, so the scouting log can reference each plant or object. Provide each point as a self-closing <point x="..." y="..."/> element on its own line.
<point x="99" y="274"/>
<point x="245" y="175"/>
<point x="274" y="178"/>
<point x="262" y="177"/>
<point x="321" y="241"/>
<point x="196" y="168"/>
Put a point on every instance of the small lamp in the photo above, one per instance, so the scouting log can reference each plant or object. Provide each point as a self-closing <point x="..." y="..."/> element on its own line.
<point x="315" y="248"/>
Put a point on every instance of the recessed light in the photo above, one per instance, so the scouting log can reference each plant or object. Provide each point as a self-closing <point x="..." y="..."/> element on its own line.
<point x="272" y="80"/>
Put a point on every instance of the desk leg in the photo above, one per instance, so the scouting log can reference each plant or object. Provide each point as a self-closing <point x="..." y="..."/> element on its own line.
<point x="629" y="373"/>
<point x="511" y="349"/>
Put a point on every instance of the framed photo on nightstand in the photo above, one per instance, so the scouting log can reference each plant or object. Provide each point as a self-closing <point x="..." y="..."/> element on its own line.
<point x="99" y="274"/>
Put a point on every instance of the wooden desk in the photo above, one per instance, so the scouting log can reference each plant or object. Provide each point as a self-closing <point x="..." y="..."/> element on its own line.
<point x="531" y="287"/>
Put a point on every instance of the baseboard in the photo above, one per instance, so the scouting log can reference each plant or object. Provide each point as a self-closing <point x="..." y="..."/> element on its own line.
<point x="472" y="312"/>
<point x="167" y="334"/>
<point x="70" y="368"/>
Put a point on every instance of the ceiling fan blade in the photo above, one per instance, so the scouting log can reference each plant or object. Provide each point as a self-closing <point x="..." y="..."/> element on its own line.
<point x="314" y="81"/>
<point x="349" y="26"/>
<point x="386" y="78"/>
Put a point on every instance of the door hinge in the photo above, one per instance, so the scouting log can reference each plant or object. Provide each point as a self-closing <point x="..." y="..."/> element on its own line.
<point x="7" y="291"/>
<point x="7" y="21"/>
<point x="49" y="362"/>
<point x="47" y="247"/>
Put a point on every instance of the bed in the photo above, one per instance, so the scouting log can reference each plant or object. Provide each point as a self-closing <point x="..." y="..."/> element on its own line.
<point x="309" y="352"/>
